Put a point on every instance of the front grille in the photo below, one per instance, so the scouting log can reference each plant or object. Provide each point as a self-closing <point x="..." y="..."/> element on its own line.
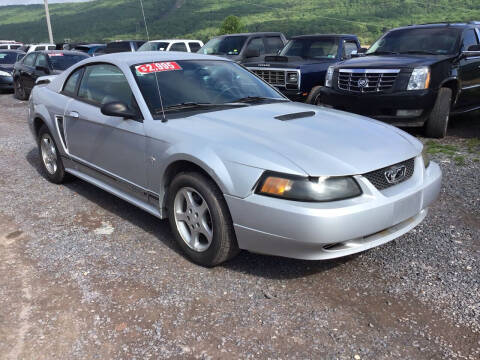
<point x="366" y="80"/>
<point x="379" y="179"/>
<point x="273" y="77"/>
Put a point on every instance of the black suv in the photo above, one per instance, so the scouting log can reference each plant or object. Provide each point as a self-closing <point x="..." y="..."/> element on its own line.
<point x="301" y="65"/>
<point x="412" y="76"/>
<point x="245" y="47"/>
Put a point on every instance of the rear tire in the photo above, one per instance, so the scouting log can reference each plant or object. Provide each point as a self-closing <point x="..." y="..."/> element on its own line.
<point x="437" y="123"/>
<point x="202" y="226"/>
<point x="50" y="158"/>
<point x="19" y="90"/>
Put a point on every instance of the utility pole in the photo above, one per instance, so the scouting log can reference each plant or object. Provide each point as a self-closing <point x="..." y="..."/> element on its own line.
<point x="49" y="25"/>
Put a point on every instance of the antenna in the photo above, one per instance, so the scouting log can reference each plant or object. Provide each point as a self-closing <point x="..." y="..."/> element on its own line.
<point x="164" y="119"/>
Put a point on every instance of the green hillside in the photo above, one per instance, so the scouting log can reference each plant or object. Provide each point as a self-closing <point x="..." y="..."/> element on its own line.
<point x="102" y="20"/>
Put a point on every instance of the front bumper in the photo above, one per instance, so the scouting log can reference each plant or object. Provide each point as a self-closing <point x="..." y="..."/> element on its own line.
<point x="6" y="83"/>
<point x="383" y="106"/>
<point x="317" y="231"/>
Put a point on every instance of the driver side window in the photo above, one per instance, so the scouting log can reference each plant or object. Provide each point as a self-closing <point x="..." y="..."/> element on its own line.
<point x="469" y="39"/>
<point x="41" y="61"/>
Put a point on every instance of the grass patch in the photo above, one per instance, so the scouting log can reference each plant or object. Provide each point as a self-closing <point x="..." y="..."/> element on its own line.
<point x="473" y="145"/>
<point x="436" y="148"/>
<point x="459" y="160"/>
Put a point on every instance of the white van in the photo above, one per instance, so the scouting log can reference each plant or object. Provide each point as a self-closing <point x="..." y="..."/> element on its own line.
<point x="172" y="45"/>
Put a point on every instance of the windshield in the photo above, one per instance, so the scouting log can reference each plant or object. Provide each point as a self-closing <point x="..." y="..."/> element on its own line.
<point x="62" y="62"/>
<point x="8" y="58"/>
<point x="312" y="48"/>
<point x="228" y="45"/>
<point x="154" y="46"/>
<point x="207" y="82"/>
<point x="437" y="41"/>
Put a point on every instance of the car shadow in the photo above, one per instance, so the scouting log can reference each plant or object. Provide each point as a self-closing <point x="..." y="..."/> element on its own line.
<point x="271" y="267"/>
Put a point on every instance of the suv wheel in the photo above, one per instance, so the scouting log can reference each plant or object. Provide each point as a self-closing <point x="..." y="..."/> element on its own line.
<point x="19" y="90"/>
<point x="314" y="97"/>
<point x="200" y="219"/>
<point x="437" y="123"/>
<point x="50" y="157"/>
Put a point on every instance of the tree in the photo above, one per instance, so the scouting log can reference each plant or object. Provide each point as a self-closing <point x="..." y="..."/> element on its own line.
<point x="231" y="25"/>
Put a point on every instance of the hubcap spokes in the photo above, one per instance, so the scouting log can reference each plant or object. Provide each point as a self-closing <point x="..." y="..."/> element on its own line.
<point x="193" y="219"/>
<point x="49" y="154"/>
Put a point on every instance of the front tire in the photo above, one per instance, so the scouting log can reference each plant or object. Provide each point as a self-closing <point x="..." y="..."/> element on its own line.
<point x="437" y="123"/>
<point x="314" y="97"/>
<point x="200" y="219"/>
<point x="50" y="158"/>
<point x="18" y="90"/>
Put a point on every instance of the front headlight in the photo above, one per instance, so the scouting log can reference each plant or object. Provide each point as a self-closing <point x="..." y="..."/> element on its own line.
<point x="426" y="157"/>
<point x="329" y="77"/>
<point x="4" y="73"/>
<point x="420" y="78"/>
<point x="292" y="77"/>
<point x="300" y="188"/>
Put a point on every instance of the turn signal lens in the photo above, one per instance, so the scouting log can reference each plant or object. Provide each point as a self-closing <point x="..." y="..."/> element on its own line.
<point x="276" y="186"/>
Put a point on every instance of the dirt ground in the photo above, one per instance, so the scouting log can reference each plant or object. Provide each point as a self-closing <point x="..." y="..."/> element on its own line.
<point x="84" y="275"/>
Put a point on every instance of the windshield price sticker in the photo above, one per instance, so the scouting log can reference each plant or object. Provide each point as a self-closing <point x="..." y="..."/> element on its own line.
<point x="158" y="67"/>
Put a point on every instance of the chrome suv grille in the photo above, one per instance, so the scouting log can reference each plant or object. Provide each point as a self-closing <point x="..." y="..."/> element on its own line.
<point x="379" y="178"/>
<point x="366" y="80"/>
<point x="273" y="77"/>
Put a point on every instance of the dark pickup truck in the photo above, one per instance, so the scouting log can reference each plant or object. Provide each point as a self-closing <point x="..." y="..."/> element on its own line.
<point x="301" y="65"/>
<point x="412" y="76"/>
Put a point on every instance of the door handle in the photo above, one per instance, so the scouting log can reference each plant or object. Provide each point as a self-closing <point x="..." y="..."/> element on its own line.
<point x="74" y="114"/>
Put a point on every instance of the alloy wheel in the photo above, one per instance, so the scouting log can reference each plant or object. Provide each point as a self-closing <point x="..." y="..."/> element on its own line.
<point x="193" y="219"/>
<point x="49" y="153"/>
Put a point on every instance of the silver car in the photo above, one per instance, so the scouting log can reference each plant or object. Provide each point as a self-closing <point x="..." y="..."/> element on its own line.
<point x="228" y="160"/>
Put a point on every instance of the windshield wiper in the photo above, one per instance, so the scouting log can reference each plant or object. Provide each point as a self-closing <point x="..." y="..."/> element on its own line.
<point x="185" y="105"/>
<point x="248" y="99"/>
<point x="422" y="52"/>
<point x="383" y="52"/>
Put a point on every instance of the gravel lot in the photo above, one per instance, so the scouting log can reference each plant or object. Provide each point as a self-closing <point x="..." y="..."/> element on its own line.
<point x="86" y="275"/>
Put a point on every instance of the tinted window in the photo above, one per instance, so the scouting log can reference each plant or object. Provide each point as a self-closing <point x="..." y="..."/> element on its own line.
<point x="154" y="46"/>
<point x="15" y="47"/>
<point x="312" y="48"/>
<point x="205" y="81"/>
<point x="273" y="44"/>
<point x="3" y="46"/>
<point x="41" y="60"/>
<point x="8" y="58"/>
<point x="228" y="45"/>
<point x="40" y="48"/>
<point x="29" y="60"/>
<point x="137" y="44"/>
<point x="118" y="47"/>
<point x="52" y="47"/>
<point x="71" y="84"/>
<point x="62" y="61"/>
<point x="348" y="48"/>
<point x="194" y="46"/>
<point x="256" y="44"/>
<point x="104" y="83"/>
<point x="469" y="39"/>
<point x="84" y="49"/>
<point x="438" y="40"/>
<point x="179" y="46"/>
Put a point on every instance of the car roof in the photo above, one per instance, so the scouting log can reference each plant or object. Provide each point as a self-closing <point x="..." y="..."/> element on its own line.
<point x="311" y="36"/>
<point x="132" y="58"/>
<point x="64" y="52"/>
<point x="171" y="40"/>
<point x="12" y="51"/>
<point x="252" y="34"/>
<point x="88" y="45"/>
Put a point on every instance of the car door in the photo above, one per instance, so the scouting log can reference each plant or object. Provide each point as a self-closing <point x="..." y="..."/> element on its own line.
<point x="469" y="73"/>
<point x="27" y="70"/>
<point x="41" y="67"/>
<point x="105" y="145"/>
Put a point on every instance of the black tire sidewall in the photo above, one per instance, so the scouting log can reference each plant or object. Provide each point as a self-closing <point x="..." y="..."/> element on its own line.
<point x="59" y="175"/>
<point x="314" y="94"/>
<point x="437" y="123"/>
<point x="221" y="220"/>
<point x="22" y="94"/>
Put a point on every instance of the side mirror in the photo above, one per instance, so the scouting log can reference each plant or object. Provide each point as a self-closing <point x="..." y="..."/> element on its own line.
<point x="118" y="109"/>
<point x="473" y="50"/>
<point x="362" y="50"/>
<point x="43" y="69"/>
<point x="251" y="53"/>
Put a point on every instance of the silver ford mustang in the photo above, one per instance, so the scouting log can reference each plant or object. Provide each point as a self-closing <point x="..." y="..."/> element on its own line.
<point x="230" y="161"/>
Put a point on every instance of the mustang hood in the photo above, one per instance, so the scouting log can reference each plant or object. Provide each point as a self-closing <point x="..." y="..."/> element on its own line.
<point x="319" y="141"/>
<point x="393" y="61"/>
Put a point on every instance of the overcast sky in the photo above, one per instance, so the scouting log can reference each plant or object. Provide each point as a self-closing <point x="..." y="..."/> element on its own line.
<point x="26" y="2"/>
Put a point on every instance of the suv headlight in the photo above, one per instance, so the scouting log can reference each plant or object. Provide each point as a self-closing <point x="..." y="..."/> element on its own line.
<point x="420" y="78"/>
<point x="329" y="77"/>
<point x="300" y="188"/>
<point x="4" y="73"/>
<point x="292" y="77"/>
<point x="426" y="157"/>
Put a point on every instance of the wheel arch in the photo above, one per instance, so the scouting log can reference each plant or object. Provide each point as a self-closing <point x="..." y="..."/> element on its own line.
<point x="452" y="83"/>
